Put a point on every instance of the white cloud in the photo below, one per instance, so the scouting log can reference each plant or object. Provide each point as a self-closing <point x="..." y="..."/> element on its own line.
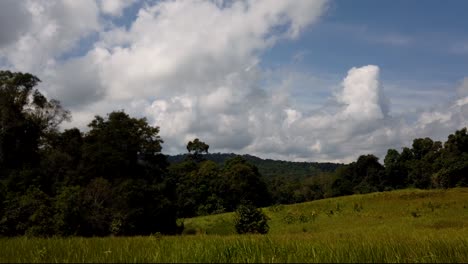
<point x="197" y="40"/>
<point x="360" y="124"/>
<point x="77" y="81"/>
<point x="14" y="21"/>
<point x="199" y="63"/>
<point x="56" y="27"/>
<point x="194" y="69"/>
<point x="362" y="94"/>
<point x="462" y="101"/>
<point x="428" y="118"/>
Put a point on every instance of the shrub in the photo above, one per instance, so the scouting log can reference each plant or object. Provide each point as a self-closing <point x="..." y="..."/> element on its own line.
<point x="249" y="219"/>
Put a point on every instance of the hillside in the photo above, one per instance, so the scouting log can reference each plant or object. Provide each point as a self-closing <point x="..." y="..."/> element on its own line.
<point x="409" y="210"/>
<point x="271" y="168"/>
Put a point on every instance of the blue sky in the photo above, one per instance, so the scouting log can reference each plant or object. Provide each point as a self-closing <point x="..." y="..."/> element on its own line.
<point x="296" y="80"/>
<point x="413" y="41"/>
<point x="420" y="46"/>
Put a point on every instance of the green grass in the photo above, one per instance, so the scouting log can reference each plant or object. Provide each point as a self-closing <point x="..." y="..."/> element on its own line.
<point x="398" y="226"/>
<point x="408" y="210"/>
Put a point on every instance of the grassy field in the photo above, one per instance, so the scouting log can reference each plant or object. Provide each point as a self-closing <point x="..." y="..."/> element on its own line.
<point x="398" y="226"/>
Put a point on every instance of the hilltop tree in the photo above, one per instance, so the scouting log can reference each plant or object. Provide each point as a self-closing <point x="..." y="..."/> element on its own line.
<point x="196" y="148"/>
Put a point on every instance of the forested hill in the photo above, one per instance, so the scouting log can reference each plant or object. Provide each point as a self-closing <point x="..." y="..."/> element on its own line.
<point x="268" y="167"/>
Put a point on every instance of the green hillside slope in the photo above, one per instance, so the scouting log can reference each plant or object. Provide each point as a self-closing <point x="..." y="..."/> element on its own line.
<point x="399" y="211"/>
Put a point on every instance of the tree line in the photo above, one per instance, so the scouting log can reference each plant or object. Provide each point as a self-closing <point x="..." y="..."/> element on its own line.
<point x="110" y="180"/>
<point x="115" y="180"/>
<point x="427" y="164"/>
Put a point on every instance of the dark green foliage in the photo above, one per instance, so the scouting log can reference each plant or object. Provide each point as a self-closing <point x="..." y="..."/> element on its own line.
<point x="69" y="209"/>
<point x="61" y="157"/>
<point x="196" y="148"/>
<point x="427" y="164"/>
<point x="395" y="171"/>
<point x="97" y="199"/>
<point x="271" y="168"/>
<point x="453" y="161"/>
<point x="363" y="176"/>
<point x="243" y="182"/>
<point x="424" y="163"/>
<point x="205" y="188"/>
<point x="141" y="209"/>
<point x="285" y="190"/>
<point x="249" y="219"/>
<point x="109" y="180"/>
<point x="29" y="214"/>
<point x="119" y="147"/>
<point x="26" y="117"/>
<point x="287" y="182"/>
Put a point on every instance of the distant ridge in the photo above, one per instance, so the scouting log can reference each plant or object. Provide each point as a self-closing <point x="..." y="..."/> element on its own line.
<point x="268" y="167"/>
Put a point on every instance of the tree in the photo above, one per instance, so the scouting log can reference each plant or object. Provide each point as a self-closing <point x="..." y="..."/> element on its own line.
<point x="26" y="117"/>
<point x="140" y="208"/>
<point x="180" y="177"/>
<point x="243" y="183"/>
<point x="423" y="165"/>
<point x="120" y="147"/>
<point x="196" y="148"/>
<point x="60" y="158"/>
<point x="126" y="153"/>
<point x="28" y="214"/>
<point x="97" y="200"/>
<point x="373" y="171"/>
<point x="249" y="219"/>
<point x="453" y="161"/>
<point x="363" y="176"/>
<point x="395" y="172"/>
<point x="69" y="206"/>
<point x="209" y="189"/>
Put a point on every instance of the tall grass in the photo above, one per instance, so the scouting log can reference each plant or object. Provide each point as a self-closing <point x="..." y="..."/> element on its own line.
<point x="448" y="247"/>
<point x="401" y="226"/>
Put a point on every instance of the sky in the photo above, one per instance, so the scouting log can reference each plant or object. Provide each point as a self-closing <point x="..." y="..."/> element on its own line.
<point x="299" y="80"/>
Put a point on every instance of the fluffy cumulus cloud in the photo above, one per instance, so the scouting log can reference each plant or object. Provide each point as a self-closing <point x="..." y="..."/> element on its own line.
<point x="193" y="68"/>
<point x="49" y="29"/>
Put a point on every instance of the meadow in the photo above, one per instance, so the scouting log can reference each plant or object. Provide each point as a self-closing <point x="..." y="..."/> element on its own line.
<point x="399" y="226"/>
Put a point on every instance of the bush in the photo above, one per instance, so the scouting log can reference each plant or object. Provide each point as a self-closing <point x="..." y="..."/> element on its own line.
<point x="249" y="219"/>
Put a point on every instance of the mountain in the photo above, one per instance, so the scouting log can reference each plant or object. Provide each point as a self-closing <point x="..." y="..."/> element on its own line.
<point x="268" y="167"/>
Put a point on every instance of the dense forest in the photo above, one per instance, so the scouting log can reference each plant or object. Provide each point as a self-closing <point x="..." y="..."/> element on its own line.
<point x="268" y="167"/>
<point x="114" y="179"/>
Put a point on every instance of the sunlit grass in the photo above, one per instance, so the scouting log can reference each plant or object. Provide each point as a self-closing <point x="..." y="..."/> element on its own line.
<point x="400" y="226"/>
